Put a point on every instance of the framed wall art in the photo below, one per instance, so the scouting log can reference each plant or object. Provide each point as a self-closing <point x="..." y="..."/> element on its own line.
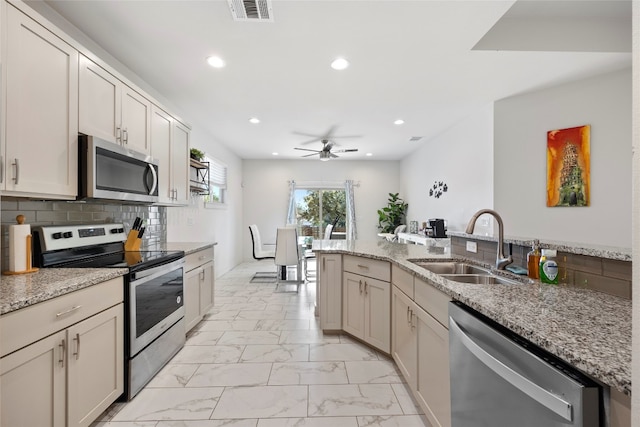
<point x="568" y="166"/>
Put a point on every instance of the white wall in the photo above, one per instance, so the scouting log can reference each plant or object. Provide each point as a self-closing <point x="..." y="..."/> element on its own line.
<point x="266" y="191"/>
<point x="195" y="223"/>
<point x="462" y="157"/>
<point x="521" y="125"/>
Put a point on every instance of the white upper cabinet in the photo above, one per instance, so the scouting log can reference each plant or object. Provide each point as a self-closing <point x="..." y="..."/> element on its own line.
<point x="170" y="146"/>
<point x="41" y="127"/>
<point x="111" y="110"/>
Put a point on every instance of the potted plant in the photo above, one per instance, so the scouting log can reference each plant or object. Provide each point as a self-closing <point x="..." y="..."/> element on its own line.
<point x="393" y="214"/>
<point x="196" y="154"/>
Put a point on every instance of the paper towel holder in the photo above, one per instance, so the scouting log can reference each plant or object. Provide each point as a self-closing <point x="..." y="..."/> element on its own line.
<point x="30" y="269"/>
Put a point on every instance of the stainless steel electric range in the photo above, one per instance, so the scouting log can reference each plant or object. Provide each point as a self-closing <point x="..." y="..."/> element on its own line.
<point x="154" y="289"/>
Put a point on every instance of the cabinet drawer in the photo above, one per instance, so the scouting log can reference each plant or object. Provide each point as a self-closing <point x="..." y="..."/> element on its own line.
<point x="28" y="325"/>
<point x="373" y="268"/>
<point x="198" y="258"/>
<point x="433" y="301"/>
<point x="402" y="279"/>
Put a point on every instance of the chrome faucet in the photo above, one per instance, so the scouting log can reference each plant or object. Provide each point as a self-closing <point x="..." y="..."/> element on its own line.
<point x="501" y="260"/>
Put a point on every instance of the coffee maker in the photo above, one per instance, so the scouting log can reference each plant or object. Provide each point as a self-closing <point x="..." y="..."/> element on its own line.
<point x="436" y="228"/>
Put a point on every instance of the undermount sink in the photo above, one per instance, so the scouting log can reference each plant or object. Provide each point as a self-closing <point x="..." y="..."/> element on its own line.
<point x="479" y="279"/>
<point x="452" y="267"/>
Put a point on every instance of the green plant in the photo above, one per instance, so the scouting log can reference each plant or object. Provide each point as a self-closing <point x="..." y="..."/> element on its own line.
<point x="196" y="154"/>
<point x="393" y="214"/>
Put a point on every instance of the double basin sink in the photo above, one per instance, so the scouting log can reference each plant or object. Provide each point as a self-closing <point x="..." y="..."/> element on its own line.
<point x="463" y="272"/>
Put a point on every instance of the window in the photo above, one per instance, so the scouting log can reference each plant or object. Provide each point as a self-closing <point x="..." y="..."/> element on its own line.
<point x="317" y="208"/>
<point x="217" y="184"/>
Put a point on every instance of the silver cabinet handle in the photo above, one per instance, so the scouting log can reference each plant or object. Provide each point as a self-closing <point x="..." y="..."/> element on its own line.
<point x="77" y="352"/>
<point x="413" y="316"/>
<point x="72" y="309"/>
<point x="63" y="349"/>
<point x="531" y="389"/>
<point x="202" y="275"/>
<point x="366" y="267"/>
<point x="408" y="314"/>
<point x="118" y="134"/>
<point x="366" y="287"/>
<point x="360" y="285"/>
<point x="155" y="178"/>
<point x="16" y="177"/>
<point x="1" y="169"/>
<point x="323" y="259"/>
<point x="125" y="136"/>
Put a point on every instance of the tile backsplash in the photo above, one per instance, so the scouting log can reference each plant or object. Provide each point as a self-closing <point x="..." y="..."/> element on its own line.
<point x="600" y="274"/>
<point x="50" y="212"/>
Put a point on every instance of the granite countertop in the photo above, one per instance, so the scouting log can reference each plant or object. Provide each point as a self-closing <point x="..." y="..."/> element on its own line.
<point x="589" y="330"/>
<point x="23" y="290"/>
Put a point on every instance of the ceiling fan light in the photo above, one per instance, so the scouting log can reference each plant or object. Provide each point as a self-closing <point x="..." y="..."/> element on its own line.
<point x="324" y="156"/>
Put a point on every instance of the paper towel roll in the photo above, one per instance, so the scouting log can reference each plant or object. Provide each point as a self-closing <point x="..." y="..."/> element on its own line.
<point x="18" y="247"/>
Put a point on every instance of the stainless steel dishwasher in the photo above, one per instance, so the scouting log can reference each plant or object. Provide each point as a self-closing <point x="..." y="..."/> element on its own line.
<point x="498" y="379"/>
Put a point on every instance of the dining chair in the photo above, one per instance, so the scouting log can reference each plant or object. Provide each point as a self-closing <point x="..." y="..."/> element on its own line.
<point x="287" y="255"/>
<point x="260" y="252"/>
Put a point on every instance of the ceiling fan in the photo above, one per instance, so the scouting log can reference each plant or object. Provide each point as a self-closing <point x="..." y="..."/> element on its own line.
<point x="326" y="152"/>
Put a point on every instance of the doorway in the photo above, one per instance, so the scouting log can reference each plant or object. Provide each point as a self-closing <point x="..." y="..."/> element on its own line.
<point x="316" y="208"/>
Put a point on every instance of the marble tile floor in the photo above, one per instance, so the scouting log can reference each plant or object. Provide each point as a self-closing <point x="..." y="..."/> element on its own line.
<point x="258" y="359"/>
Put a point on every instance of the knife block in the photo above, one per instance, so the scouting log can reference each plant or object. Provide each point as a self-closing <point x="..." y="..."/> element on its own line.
<point x="133" y="241"/>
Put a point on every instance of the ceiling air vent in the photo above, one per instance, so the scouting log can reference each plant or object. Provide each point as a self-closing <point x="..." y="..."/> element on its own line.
<point x="251" y="10"/>
<point x="415" y="138"/>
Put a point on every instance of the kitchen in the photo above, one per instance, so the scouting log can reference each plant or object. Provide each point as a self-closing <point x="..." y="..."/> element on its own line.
<point x="409" y="177"/>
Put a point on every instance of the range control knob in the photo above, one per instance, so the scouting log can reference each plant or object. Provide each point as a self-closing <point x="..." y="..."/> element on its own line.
<point x="114" y="231"/>
<point x="56" y="236"/>
<point x="67" y="234"/>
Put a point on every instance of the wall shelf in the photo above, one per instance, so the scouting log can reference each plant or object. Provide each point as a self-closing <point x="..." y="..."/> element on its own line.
<point x="199" y="177"/>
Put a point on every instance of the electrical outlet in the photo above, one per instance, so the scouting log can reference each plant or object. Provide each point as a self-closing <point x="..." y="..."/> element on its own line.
<point x="472" y="247"/>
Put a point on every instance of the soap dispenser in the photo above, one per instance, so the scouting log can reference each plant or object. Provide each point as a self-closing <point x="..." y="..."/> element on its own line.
<point x="533" y="260"/>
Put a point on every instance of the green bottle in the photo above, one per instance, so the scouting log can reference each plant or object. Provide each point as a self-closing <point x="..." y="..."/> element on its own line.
<point x="549" y="267"/>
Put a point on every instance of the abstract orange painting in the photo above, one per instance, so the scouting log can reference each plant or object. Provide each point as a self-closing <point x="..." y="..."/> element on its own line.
<point x="568" y="166"/>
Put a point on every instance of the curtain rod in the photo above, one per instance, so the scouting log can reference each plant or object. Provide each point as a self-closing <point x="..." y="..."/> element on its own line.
<point x="321" y="183"/>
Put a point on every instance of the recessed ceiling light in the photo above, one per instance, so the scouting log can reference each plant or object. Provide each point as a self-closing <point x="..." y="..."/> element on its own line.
<point x="369" y="154"/>
<point x="398" y="122"/>
<point x="274" y="154"/>
<point x="216" y="61"/>
<point x="254" y="120"/>
<point x="339" y="64"/>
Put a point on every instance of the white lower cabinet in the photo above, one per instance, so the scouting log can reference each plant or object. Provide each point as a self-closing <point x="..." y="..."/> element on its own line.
<point x="366" y="309"/>
<point x="329" y="291"/>
<point x="68" y="378"/>
<point x="420" y="348"/>
<point x="199" y="286"/>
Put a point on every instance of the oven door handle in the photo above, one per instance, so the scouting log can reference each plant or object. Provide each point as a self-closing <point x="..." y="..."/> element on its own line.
<point x="531" y="389"/>
<point x="155" y="271"/>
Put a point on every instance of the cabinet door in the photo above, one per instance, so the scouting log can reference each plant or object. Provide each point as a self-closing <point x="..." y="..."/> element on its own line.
<point x="404" y="340"/>
<point x="41" y="110"/>
<point x="353" y="304"/>
<point x="192" y="298"/>
<point x="95" y="365"/>
<point x="180" y="163"/>
<point x="136" y="119"/>
<point x="329" y="292"/>
<point x="33" y="384"/>
<point x="433" y="391"/>
<point x="99" y="96"/>
<point x="377" y="313"/>
<point x="161" y="128"/>
<point x="206" y="288"/>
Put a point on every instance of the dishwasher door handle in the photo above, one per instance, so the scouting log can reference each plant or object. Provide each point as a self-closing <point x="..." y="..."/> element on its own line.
<point x="531" y="389"/>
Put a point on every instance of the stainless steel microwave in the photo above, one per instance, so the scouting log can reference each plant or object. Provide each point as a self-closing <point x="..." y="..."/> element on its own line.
<point x="111" y="172"/>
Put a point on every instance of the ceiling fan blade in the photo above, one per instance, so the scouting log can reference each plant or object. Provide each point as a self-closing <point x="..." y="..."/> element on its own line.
<point x="311" y="141"/>
<point x="333" y="156"/>
<point x="306" y="149"/>
<point x="346" y="136"/>
<point x="309" y="155"/>
<point x="346" y="150"/>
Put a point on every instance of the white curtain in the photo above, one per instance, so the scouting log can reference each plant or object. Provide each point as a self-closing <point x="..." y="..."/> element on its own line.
<point x="351" y="211"/>
<point x="292" y="212"/>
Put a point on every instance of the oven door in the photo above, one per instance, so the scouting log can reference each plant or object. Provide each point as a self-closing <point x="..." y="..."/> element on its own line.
<point x="109" y="171"/>
<point x="156" y="302"/>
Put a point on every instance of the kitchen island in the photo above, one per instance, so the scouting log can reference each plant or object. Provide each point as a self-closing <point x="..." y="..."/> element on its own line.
<point x="589" y="330"/>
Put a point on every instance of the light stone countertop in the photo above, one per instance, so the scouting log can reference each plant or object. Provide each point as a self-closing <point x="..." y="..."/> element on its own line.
<point x="589" y="330"/>
<point x="20" y="291"/>
<point x="23" y="290"/>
